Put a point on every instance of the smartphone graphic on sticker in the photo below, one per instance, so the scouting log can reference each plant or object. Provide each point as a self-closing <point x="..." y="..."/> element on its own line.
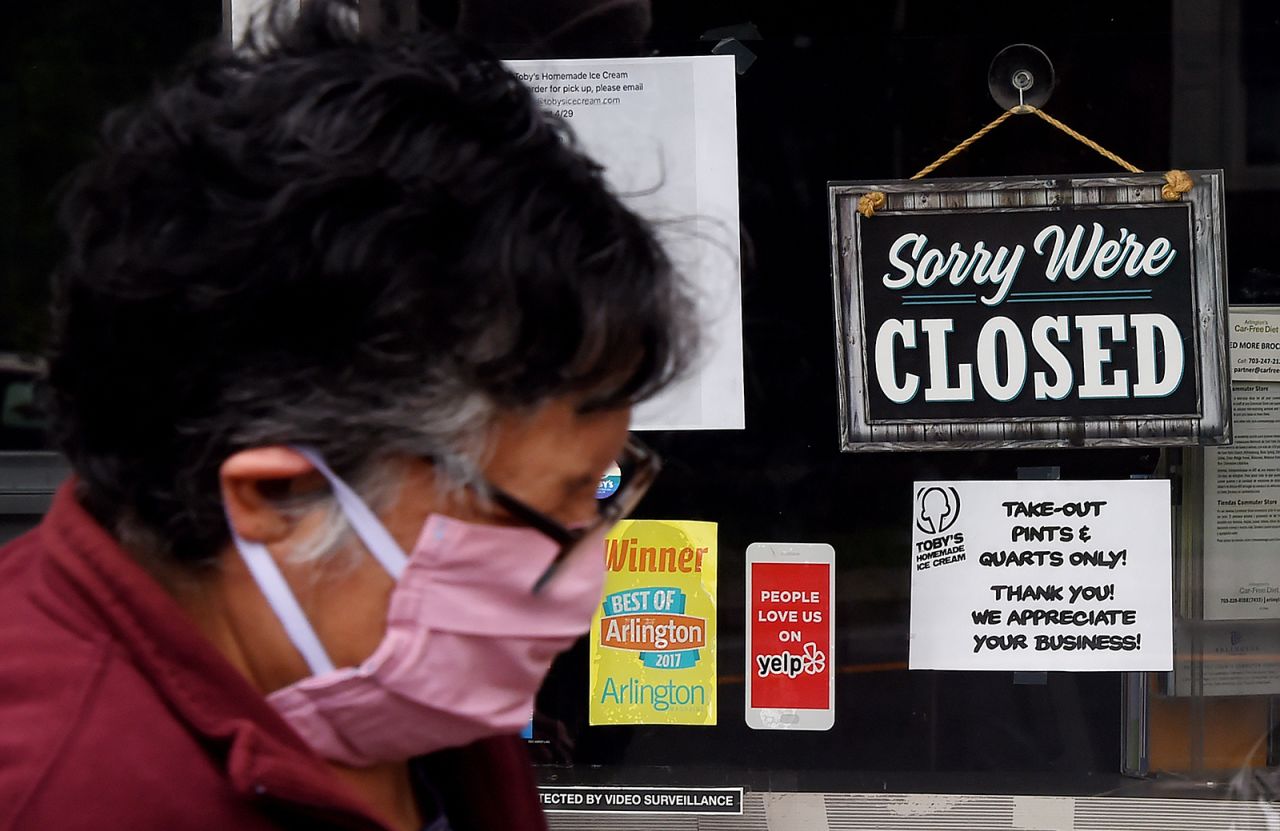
<point x="790" y="636"/>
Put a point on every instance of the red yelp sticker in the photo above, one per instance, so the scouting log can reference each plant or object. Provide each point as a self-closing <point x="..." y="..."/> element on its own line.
<point x="790" y="635"/>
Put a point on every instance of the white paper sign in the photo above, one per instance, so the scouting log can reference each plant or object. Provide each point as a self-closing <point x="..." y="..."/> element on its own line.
<point x="665" y="130"/>
<point x="1254" y="344"/>
<point x="1042" y="575"/>
<point x="244" y="12"/>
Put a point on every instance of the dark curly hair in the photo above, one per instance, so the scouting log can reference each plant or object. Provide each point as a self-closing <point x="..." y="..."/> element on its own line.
<point x="368" y="245"/>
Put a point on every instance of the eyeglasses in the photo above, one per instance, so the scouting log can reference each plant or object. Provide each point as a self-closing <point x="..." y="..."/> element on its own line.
<point x="639" y="466"/>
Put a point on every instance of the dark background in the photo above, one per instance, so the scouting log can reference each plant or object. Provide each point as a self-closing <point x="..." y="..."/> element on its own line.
<point x="837" y="91"/>
<point x="874" y="91"/>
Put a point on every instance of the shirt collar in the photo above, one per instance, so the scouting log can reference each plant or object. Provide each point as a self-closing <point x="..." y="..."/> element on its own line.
<point x="263" y="756"/>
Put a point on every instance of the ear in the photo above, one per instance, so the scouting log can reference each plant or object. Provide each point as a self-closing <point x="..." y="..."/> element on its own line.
<point x="249" y="477"/>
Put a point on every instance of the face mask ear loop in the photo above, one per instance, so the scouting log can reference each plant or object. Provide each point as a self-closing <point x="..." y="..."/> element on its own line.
<point x="368" y="528"/>
<point x="262" y="566"/>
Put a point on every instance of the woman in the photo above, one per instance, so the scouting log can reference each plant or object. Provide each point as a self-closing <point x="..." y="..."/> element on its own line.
<point x="346" y="333"/>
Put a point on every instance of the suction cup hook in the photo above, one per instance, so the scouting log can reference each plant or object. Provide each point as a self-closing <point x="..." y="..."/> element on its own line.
<point x="1021" y="77"/>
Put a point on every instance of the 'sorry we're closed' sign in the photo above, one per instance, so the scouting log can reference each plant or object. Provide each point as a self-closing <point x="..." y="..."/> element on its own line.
<point x="1030" y="312"/>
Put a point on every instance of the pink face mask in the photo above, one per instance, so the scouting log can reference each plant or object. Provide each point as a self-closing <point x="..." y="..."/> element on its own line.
<point x="466" y="647"/>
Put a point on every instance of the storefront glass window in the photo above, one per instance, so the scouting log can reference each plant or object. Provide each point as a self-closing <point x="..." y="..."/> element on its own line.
<point x="833" y="92"/>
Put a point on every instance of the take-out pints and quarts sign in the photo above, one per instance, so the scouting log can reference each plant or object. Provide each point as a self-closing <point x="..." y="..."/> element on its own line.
<point x="1031" y="312"/>
<point x="1041" y="575"/>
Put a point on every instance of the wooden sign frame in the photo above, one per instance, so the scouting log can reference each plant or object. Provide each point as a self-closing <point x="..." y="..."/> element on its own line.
<point x="1209" y="424"/>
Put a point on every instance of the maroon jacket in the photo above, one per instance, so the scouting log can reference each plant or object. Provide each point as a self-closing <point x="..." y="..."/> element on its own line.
<point x="115" y="712"/>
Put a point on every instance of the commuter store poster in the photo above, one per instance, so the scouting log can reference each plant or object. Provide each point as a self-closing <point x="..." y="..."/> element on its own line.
<point x="1042" y="575"/>
<point x="1242" y="482"/>
<point x="653" y="640"/>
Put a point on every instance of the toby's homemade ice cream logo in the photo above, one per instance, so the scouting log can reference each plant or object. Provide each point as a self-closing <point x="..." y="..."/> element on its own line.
<point x="937" y="509"/>
<point x="609" y="482"/>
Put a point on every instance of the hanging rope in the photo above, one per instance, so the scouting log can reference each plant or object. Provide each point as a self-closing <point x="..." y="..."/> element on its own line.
<point x="871" y="202"/>
<point x="1085" y="140"/>
<point x="963" y="146"/>
<point x="1177" y="182"/>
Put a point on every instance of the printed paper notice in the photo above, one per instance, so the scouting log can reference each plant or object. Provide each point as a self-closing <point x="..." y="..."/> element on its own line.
<point x="1242" y="482"/>
<point x="1041" y="575"/>
<point x="1227" y="658"/>
<point x="653" y="641"/>
<point x="665" y="130"/>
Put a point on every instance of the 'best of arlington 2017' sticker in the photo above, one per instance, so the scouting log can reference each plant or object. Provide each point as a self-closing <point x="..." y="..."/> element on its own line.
<point x="653" y="646"/>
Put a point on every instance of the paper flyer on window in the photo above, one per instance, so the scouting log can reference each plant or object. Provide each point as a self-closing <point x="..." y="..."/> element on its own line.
<point x="1242" y="482"/>
<point x="665" y="131"/>
<point x="653" y="640"/>
<point x="1042" y="575"/>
